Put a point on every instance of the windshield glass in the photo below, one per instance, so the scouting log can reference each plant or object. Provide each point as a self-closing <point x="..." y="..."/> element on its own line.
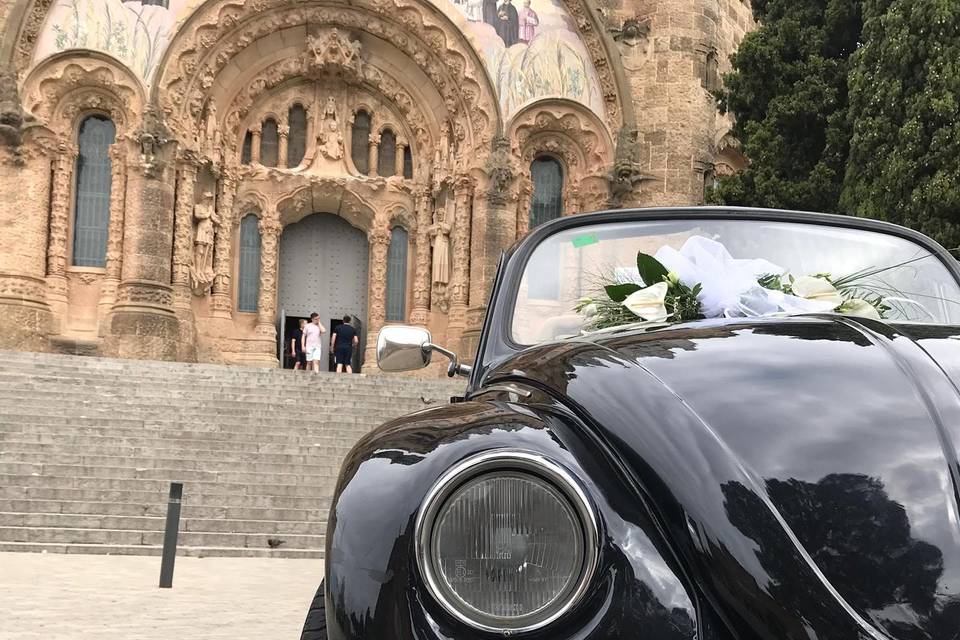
<point x="587" y="279"/>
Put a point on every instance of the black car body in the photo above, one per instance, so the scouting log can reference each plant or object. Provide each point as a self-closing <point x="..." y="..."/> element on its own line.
<point x="764" y="477"/>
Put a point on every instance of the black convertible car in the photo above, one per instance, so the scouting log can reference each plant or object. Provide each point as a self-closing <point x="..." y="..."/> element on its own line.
<point x="684" y="423"/>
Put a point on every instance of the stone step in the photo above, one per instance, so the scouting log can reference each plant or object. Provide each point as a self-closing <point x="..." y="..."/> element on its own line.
<point x="187" y="439"/>
<point x="85" y="453"/>
<point x="232" y="475"/>
<point x="165" y="430"/>
<point x="161" y="486"/>
<point x="63" y="535"/>
<point x="159" y="509"/>
<point x="155" y="550"/>
<point x="141" y="446"/>
<point x="157" y="523"/>
<point x="145" y="498"/>
<point x="212" y="462"/>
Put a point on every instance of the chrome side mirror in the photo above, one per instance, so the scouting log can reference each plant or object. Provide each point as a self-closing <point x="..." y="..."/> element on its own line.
<point x="405" y="348"/>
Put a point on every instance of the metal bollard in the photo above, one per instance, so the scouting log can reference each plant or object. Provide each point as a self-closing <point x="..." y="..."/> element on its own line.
<point x="170" y="535"/>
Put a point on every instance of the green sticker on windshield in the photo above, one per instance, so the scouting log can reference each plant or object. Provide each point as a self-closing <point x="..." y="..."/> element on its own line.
<point x="587" y="239"/>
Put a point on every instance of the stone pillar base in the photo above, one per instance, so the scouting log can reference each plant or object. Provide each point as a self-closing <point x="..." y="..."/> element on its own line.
<point x="25" y="326"/>
<point x="142" y="335"/>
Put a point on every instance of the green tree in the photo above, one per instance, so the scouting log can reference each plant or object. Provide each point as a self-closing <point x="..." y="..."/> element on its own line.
<point x="904" y="163"/>
<point x="788" y="93"/>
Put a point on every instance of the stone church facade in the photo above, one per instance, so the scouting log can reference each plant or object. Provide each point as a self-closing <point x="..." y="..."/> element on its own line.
<point x="272" y="158"/>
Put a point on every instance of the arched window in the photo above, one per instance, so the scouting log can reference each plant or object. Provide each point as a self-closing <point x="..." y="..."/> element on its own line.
<point x="407" y="163"/>
<point x="711" y="72"/>
<point x="269" y="143"/>
<point x="248" y="285"/>
<point x="360" y="142"/>
<point x="246" y="152"/>
<point x="397" y="275"/>
<point x="92" y="204"/>
<point x="547" y="201"/>
<point x="387" y="161"/>
<point x="297" y="142"/>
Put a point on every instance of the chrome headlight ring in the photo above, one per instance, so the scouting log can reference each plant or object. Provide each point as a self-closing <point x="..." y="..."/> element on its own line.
<point x="497" y="464"/>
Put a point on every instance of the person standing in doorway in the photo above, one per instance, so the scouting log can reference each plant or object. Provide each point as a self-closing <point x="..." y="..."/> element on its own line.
<point x="358" y="352"/>
<point x="311" y="342"/>
<point x="296" y="347"/>
<point x="342" y="343"/>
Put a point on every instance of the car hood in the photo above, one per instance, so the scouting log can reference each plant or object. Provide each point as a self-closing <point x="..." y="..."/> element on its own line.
<point x="804" y="469"/>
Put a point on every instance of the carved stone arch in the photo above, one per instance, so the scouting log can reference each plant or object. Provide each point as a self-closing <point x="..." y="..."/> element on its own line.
<point x="566" y="130"/>
<point x="64" y="88"/>
<point x="248" y="203"/>
<point x="401" y="216"/>
<point x="221" y="29"/>
<point x="336" y="195"/>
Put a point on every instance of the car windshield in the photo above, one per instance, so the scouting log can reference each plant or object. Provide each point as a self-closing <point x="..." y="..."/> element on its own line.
<point x="569" y="275"/>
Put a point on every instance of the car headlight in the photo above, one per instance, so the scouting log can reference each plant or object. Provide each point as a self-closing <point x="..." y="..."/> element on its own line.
<point x="507" y="541"/>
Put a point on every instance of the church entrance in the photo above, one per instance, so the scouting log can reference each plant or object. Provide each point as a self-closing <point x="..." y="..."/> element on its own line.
<point x="323" y="269"/>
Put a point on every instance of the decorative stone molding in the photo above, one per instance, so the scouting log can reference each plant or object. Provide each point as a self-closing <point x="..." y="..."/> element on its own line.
<point x="502" y="171"/>
<point x="270" y="229"/>
<point x="60" y="90"/>
<point x="219" y="30"/>
<point x="118" y="208"/>
<point x="60" y="206"/>
<point x="421" y="278"/>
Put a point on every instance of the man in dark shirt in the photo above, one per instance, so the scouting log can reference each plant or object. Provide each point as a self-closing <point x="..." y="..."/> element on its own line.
<point x="296" y="347"/>
<point x="342" y="343"/>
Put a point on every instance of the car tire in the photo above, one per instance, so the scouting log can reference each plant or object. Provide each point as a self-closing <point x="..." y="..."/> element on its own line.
<point x="315" y="626"/>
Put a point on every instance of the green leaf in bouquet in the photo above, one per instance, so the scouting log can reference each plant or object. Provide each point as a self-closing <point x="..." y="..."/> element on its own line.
<point x="651" y="271"/>
<point x="619" y="292"/>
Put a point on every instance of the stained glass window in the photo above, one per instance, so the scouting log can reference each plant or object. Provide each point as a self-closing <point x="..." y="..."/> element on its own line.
<point x="269" y="143"/>
<point x="92" y="205"/>
<point x="248" y="285"/>
<point x="397" y="275"/>
<point x="387" y="162"/>
<point x="297" y="142"/>
<point x="360" y="142"/>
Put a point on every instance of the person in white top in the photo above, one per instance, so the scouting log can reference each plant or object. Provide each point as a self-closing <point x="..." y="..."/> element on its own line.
<point x="312" y="343"/>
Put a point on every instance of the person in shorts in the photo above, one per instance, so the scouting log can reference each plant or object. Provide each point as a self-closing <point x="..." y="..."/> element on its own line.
<point x="296" y="347"/>
<point x="312" y="345"/>
<point x="342" y="343"/>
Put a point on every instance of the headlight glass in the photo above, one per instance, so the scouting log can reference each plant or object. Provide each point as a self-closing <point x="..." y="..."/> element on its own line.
<point x="511" y="548"/>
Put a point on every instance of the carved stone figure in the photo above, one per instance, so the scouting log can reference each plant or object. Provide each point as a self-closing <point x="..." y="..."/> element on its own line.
<point x="11" y="111"/>
<point x="441" y="251"/>
<point x="334" y="51"/>
<point x="151" y="136"/>
<point x="330" y="140"/>
<point x="626" y="170"/>
<point x="202" y="274"/>
<point x="502" y="171"/>
<point x="212" y="137"/>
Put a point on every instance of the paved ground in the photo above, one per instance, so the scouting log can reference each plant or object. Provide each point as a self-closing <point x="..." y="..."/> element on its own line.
<point x="77" y="597"/>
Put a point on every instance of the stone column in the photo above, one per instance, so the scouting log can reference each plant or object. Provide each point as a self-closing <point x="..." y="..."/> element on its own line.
<point x="401" y="145"/>
<point x="57" y="250"/>
<point x="374" y="154"/>
<point x="142" y="322"/>
<point x="421" y="278"/>
<point x="221" y="302"/>
<point x="524" y="202"/>
<point x="114" y="257"/>
<point x="283" y="132"/>
<point x="183" y="233"/>
<point x="460" y="277"/>
<point x="270" y="230"/>
<point x="255" y="145"/>
<point x="25" y="317"/>
<point x="379" y="238"/>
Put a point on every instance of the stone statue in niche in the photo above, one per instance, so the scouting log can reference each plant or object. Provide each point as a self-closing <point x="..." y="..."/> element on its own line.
<point x="330" y="140"/>
<point x="441" y="249"/>
<point x="211" y="135"/>
<point x="201" y="275"/>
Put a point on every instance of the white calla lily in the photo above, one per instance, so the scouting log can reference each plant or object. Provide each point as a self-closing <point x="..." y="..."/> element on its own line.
<point x="590" y="310"/>
<point x="648" y="303"/>
<point x="818" y="289"/>
<point x="860" y="308"/>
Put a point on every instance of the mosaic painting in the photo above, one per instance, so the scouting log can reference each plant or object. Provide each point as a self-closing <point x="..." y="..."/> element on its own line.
<point x="530" y="47"/>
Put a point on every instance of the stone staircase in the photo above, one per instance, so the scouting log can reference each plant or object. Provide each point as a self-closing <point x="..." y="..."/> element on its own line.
<point x="89" y="446"/>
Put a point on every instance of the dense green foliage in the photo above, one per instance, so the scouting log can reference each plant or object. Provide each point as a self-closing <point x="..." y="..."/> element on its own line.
<point x="850" y="106"/>
<point x="904" y="163"/>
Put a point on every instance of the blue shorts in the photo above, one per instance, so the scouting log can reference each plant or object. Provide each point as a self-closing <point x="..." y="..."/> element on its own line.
<point x="342" y="356"/>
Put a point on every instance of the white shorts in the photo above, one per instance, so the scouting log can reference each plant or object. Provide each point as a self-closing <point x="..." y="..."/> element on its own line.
<point x="314" y="353"/>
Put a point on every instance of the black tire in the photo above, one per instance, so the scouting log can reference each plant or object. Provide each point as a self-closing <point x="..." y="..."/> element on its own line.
<point x="315" y="626"/>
